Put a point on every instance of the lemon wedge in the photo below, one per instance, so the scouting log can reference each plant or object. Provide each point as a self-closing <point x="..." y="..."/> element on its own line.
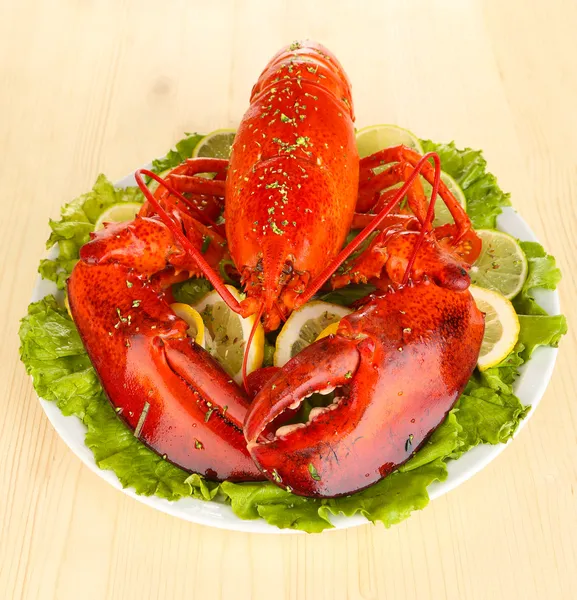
<point x="304" y="326"/>
<point x="67" y="306"/>
<point x="193" y="320"/>
<point x="328" y="330"/>
<point x="501" y="326"/>
<point x="226" y="334"/>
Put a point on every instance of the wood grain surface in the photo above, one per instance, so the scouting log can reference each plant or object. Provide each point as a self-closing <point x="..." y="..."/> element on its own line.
<point x="103" y="86"/>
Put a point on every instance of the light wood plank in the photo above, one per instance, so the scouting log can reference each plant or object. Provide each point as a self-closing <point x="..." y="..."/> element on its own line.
<point x="103" y="87"/>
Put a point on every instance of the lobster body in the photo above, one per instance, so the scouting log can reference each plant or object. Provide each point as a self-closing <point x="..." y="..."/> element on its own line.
<point x="290" y="192"/>
<point x="292" y="183"/>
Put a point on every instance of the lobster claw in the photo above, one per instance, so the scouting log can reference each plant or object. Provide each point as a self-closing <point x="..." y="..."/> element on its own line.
<point x="398" y="365"/>
<point x="168" y="390"/>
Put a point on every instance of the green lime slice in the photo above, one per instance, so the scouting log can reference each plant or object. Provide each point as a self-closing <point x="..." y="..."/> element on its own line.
<point x="226" y="336"/>
<point x="377" y="137"/>
<point x="217" y="144"/>
<point x="117" y="213"/>
<point x="442" y="214"/>
<point x="501" y="266"/>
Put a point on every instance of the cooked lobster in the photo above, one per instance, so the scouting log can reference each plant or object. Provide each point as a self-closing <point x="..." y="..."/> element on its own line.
<point x="290" y="194"/>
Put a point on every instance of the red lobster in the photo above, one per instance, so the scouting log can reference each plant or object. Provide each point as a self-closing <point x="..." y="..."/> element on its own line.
<point x="290" y="195"/>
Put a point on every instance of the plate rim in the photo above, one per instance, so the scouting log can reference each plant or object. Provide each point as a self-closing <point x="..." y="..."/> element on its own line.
<point x="220" y="515"/>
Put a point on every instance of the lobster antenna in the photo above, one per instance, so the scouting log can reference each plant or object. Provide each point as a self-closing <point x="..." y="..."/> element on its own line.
<point x="322" y="277"/>
<point x="427" y="222"/>
<point x="214" y="277"/>
<point x="248" y="345"/>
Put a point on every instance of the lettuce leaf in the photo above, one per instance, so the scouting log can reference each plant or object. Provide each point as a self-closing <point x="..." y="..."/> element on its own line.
<point x="276" y="506"/>
<point x="349" y="294"/>
<point x="540" y="330"/>
<point x="191" y="291"/>
<point x="542" y="273"/>
<point x="468" y="168"/>
<point x="392" y="499"/>
<point x="182" y="151"/>
<point x="77" y="222"/>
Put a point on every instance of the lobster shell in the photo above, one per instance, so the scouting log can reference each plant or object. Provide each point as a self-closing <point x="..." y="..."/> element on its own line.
<point x="292" y="183"/>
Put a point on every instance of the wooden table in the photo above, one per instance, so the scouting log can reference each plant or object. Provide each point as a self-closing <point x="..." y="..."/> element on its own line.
<point x="90" y="87"/>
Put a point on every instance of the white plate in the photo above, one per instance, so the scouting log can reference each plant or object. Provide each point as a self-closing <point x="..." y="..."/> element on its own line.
<point x="529" y="387"/>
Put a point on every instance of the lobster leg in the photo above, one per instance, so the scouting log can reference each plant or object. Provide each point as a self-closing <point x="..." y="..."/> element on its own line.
<point x="371" y="184"/>
<point x="195" y="253"/>
<point x="185" y="177"/>
<point x="344" y="254"/>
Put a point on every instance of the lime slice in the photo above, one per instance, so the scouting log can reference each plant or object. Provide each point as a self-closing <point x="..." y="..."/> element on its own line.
<point x="226" y="334"/>
<point x="193" y="320"/>
<point x="442" y="214"/>
<point x="153" y="184"/>
<point x="303" y="328"/>
<point x="501" y="266"/>
<point x="377" y="137"/>
<point x="117" y="213"/>
<point x="501" y="326"/>
<point x="217" y="144"/>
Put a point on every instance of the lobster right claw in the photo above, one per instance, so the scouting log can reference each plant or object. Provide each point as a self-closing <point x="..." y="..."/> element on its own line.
<point x="398" y="365"/>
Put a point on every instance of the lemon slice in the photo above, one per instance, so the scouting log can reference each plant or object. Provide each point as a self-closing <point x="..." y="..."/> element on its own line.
<point x="377" y="137"/>
<point x="502" y="264"/>
<point x="67" y="306"/>
<point x="217" y="144"/>
<point x="226" y="334"/>
<point x="328" y="330"/>
<point x="193" y="320"/>
<point x="303" y="328"/>
<point x="501" y="326"/>
<point x="117" y="213"/>
<point x="442" y="214"/>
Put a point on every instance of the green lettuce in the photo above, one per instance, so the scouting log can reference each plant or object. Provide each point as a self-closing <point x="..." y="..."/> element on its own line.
<point x="191" y="291"/>
<point x="468" y="168"/>
<point x="487" y="412"/>
<point x="542" y="273"/>
<point x="541" y="330"/>
<point x="349" y="294"/>
<point x="182" y="151"/>
<point x="76" y="222"/>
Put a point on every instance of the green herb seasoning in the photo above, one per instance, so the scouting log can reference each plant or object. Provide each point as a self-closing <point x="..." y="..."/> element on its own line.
<point x="313" y="472"/>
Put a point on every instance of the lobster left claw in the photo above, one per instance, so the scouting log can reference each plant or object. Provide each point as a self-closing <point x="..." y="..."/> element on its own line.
<point x="168" y="390"/>
<point x="398" y="366"/>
